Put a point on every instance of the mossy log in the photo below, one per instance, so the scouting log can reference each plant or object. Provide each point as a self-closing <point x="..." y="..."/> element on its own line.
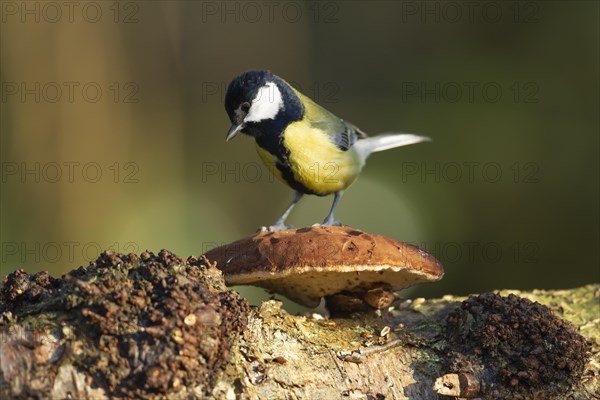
<point x="157" y="326"/>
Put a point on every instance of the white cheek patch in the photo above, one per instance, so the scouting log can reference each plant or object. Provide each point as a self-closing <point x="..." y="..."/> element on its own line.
<point x="266" y="104"/>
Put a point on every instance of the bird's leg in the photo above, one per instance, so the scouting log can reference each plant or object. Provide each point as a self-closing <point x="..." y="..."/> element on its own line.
<point x="280" y="225"/>
<point x="330" y="220"/>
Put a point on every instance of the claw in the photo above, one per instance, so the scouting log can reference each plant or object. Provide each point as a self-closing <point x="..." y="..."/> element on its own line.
<point x="330" y="223"/>
<point x="274" y="228"/>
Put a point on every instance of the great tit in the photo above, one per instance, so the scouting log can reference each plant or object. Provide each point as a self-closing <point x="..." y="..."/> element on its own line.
<point x="300" y="142"/>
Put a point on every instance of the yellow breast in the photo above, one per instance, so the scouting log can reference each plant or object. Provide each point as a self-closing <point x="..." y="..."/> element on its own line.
<point x="317" y="163"/>
<point x="269" y="160"/>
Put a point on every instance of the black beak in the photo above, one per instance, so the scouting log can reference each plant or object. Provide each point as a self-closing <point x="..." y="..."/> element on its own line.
<point x="234" y="130"/>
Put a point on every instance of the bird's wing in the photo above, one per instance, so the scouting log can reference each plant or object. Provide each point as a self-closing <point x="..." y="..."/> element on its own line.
<point x="359" y="132"/>
<point x="343" y="134"/>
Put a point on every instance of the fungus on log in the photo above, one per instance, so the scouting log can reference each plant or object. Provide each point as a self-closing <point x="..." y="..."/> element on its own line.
<point x="349" y="267"/>
<point x="157" y="326"/>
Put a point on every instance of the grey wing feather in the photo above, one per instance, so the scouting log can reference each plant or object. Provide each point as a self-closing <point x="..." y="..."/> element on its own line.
<point x="359" y="132"/>
<point x="346" y="138"/>
<point x="342" y="133"/>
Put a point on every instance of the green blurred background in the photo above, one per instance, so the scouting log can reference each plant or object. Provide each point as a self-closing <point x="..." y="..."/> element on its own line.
<point x="113" y="130"/>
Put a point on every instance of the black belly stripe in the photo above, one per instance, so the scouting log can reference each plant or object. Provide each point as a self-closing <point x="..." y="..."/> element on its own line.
<point x="274" y="145"/>
<point x="288" y="175"/>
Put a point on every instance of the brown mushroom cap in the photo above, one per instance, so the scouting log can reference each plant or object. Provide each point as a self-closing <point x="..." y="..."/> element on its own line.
<point x="308" y="263"/>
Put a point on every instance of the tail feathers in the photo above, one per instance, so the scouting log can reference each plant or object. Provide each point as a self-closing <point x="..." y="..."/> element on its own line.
<point x="386" y="141"/>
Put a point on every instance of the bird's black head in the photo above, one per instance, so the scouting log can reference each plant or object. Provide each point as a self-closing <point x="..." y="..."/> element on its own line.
<point x="259" y="102"/>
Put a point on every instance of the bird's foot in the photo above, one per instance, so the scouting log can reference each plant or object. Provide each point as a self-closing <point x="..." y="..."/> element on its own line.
<point x="274" y="228"/>
<point x="330" y="223"/>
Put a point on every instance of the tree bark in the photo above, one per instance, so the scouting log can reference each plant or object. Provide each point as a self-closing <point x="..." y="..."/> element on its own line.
<point x="156" y="326"/>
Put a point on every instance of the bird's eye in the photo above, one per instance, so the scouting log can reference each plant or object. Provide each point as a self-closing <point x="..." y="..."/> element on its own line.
<point x="245" y="106"/>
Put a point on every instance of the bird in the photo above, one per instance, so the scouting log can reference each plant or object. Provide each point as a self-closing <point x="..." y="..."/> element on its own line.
<point x="300" y="142"/>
